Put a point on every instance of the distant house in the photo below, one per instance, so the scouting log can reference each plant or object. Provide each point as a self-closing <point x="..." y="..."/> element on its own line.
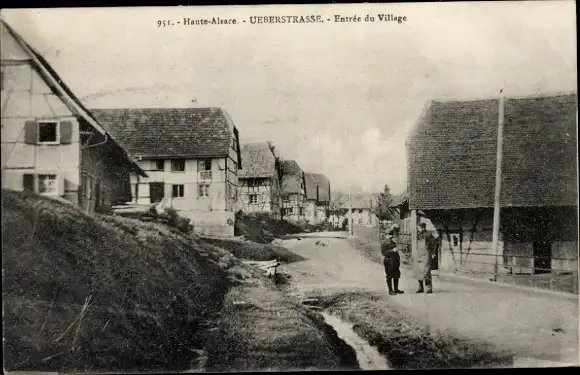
<point x="192" y="157"/>
<point x="317" y="198"/>
<point x="363" y="210"/>
<point x="452" y="165"/>
<point x="293" y="191"/>
<point x="260" y="180"/>
<point x="51" y="143"/>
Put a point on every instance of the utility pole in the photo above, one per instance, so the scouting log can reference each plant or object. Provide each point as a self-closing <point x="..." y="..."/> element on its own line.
<point x="498" y="173"/>
<point x="350" y="231"/>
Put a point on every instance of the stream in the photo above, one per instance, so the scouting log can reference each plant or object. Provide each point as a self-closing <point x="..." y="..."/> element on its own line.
<point x="367" y="356"/>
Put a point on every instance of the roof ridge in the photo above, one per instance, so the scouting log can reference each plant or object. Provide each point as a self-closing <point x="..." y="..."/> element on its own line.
<point x="507" y="97"/>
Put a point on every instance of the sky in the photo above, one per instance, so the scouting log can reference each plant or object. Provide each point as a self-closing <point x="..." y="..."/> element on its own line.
<point x="339" y="98"/>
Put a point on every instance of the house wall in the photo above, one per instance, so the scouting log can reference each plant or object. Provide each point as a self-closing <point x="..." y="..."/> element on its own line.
<point x="108" y="181"/>
<point x="314" y="213"/>
<point x="232" y="180"/>
<point x="516" y="239"/>
<point x="192" y="205"/>
<point x="264" y="194"/>
<point x="364" y="217"/>
<point x="25" y="98"/>
<point x="293" y="207"/>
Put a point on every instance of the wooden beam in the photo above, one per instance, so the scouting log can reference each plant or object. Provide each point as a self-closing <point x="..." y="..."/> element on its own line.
<point x="413" y="232"/>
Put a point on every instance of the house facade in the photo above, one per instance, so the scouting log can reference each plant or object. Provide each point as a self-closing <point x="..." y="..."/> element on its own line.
<point x="191" y="156"/>
<point x="293" y="191"/>
<point x="317" y="198"/>
<point x="363" y="207"/>
<point x="260" y="188"/>
<point x="51" y="144"/>
<point x="452" y="164"/>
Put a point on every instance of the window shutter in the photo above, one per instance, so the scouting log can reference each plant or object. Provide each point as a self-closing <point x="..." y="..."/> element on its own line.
<point x="28" y="182"/>
<point x="60" y="185"/>
<point x="65" y="132"/>
<point x="30" y="132"/>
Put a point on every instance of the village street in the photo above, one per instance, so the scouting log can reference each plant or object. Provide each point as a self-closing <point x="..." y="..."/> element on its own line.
<point x="538" y="329"/>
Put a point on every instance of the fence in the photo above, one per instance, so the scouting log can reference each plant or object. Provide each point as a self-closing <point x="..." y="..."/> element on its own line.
<point x="547" y="272"/>
<point x="533" y="271"/>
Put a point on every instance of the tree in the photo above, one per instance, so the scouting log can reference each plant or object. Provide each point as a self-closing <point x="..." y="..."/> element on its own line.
<point x="384" y="211"/>
<point x="339" y="199"/>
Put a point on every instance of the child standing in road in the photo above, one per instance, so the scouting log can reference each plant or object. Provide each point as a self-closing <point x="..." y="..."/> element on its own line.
<point x="392" y="264"/>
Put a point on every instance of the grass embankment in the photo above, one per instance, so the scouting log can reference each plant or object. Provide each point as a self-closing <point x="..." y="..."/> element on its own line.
<point x="101" y="292"/>
<point x="406" y="343"/>
<point x="94" y="292"/>
<point x="255" y="251"/>
<point x="262" y="228"/>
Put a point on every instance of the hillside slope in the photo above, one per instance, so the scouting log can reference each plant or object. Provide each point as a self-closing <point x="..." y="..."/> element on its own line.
<point x="91" y="291"/>
<point x="105" y="293"/>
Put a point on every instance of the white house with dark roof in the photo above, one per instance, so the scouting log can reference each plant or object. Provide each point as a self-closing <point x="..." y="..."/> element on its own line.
<point x="51" y="144"/>
<point x="192" y="157"/>
<point x="260" y="180"/>
<point x="317" y="198"/>
<point x="293" y="191"/>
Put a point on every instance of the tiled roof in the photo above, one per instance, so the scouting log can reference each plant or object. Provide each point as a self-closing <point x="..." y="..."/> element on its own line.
<point x="361" y="200"/>
<point x="292" y="177"/>
<point x="170" y="132"/>
<point x="258" y="160"/>
<point x="399" y="199"/>
<point x="14" y="47"/>
<point x="452" y="153"/>
<point x="312" y="181"/>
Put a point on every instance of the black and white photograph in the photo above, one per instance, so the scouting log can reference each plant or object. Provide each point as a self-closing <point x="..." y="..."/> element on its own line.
<point x="233" y="188"/>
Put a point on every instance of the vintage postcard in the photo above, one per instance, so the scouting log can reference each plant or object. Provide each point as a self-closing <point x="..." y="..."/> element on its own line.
<point x="388" y="186"/>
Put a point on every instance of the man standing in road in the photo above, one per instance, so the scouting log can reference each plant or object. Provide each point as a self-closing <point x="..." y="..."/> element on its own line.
<point x="392" y="263"/>
<point x="422" y="259"/>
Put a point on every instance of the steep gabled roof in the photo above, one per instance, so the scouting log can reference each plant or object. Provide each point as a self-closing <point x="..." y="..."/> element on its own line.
<point x="452" y="153"/>
<point x="259" y="161"/>
<point x="56" y="84"/>
<point x="317" y="187"/>
<point x="170" y="132"/>
<point x="292" y="177"/>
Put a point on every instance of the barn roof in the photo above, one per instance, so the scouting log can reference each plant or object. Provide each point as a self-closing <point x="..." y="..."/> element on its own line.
<point x="312" y="181"/>
<point x="292" y="177"/>
<point x="171" y="132"/>
<point x="259" y="161"/>
<point x="452" y="153"/>
<point x="16" y="50"/>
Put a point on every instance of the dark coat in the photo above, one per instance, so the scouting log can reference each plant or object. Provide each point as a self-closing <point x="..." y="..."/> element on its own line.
<point x="391" y="260"/>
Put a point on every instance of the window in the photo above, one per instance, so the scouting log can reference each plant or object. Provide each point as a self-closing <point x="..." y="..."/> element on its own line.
<point x="178" y="165"/>
<point x="287" y="211"/>
<point x="178" y="191"/>
<point x="253" y="199"/>
<point x="160" y="165"/>
<point x="204" y="190"/>
<point x="47" y="132"/>
<point x="47" y="184"/>
<point x="252" y="182"/>
<point x="205" y="165"/>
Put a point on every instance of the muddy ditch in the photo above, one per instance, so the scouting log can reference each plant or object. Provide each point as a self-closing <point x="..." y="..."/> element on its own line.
<point x="383" y="338"/>
<point x="354" y="351"/>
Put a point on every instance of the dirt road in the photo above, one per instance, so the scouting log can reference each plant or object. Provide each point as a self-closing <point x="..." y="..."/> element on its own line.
<point x="538" y="329"/>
